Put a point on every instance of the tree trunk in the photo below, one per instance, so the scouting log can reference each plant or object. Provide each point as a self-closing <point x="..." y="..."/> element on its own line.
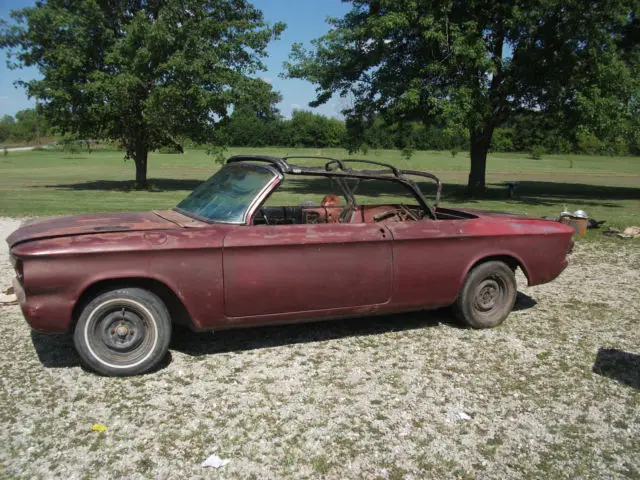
<point x="480" y="141"/>
<point x="140" y="159"/>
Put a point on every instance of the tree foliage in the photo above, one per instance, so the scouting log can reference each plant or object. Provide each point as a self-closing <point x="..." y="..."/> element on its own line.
<point x="259" y="127"/>
<point x="144" y="73"/>
<point x="245" y="128"/>
<point x="481" y="62"/>
<point x="25" y="127"/>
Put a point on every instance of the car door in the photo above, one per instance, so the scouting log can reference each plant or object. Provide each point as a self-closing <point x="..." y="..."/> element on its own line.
<point x="278" y="269"/>
<point x="430" y="257"/>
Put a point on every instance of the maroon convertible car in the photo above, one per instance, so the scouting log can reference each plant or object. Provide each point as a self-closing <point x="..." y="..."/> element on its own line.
<point x="230" y="255"/>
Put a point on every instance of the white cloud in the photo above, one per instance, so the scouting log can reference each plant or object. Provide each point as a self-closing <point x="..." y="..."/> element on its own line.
<point x="269" y="80"/>
<point x="295" y="106"/>
<point x="4" y="98"/>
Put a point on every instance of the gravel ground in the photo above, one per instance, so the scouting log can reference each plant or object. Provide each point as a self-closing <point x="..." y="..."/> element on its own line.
<point x="553" y="393"/>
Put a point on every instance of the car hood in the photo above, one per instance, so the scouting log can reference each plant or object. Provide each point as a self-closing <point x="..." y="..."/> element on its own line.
<point x="51" y="227"/>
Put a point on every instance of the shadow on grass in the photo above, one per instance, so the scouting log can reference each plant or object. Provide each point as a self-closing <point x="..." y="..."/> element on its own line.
<point x="523" y="302"/>
<point x="197" y="344"/>
<point x="624" y="367"/>
<point x="57" y="350"/>
<point x="548" y="194"/>
<point x="528" y="192"/>
<point x="155" y="184"/>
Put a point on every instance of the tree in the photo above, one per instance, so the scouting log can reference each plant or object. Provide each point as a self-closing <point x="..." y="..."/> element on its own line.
<point x="30" y="125"/>
<point x="308" y="129"/>
<point x="26" y="126"/>
<point x="253" y="115"/>
<point x="145" y="73"/>
<point x="409" y="60"/>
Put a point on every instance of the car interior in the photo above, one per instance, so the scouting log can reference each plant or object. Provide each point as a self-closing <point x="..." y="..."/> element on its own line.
<point x="382" y="201"/>
<point x="301" y="215"/>
<point x="332" y="211"/>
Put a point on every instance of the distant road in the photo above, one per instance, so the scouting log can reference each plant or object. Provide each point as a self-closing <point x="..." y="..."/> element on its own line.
<point x="19" y="149"/>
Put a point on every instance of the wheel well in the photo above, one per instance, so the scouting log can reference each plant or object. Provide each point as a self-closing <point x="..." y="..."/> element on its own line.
<point x="177" y="310"/>
<point x="513" y="263"/>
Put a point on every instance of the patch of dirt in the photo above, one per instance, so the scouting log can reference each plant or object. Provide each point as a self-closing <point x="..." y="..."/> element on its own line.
<point x="554" y="392"/>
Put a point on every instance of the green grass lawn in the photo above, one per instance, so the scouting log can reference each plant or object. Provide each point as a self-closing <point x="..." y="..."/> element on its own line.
<point x="48" y="182"/>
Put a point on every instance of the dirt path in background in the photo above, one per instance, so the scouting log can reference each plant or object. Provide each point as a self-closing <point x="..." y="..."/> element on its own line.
<point x="19" y="149"/>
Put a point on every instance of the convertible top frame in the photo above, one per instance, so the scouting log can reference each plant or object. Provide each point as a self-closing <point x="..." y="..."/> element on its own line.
<point x="340" y="170"/>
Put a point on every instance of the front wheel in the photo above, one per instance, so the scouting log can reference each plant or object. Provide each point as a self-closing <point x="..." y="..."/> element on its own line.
<point x="123" y="332"/>
<point x="487" y="296"/>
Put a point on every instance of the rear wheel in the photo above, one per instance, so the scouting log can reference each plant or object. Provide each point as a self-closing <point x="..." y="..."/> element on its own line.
<point x="487" y="296"/>
<point x="123" y="332"/>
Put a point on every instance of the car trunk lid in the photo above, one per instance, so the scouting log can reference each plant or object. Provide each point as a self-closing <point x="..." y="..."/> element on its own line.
<point x="493" y="213"/>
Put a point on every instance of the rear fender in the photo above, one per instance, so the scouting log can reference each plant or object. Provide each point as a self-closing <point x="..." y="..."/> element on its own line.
<point x="514" y="261"/>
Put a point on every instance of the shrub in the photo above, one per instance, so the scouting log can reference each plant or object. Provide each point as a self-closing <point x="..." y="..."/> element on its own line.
<point x="620" y="146"/>
<point x="72" y="147"/>
<point x="218" y="152"/>
<point x="171" y="149"/>
<point x="563" y="145"/>
<point x="502" y="140"/>
<point x="587" y="142"/>
<point x="70" y="144"/>
<point x="537" y="151"/>
<point x="407" y="152"/>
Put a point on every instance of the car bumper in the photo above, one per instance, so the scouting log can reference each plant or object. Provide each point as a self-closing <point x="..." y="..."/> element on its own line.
<point x="50" y="314"/>
<point x="548" y="273"/>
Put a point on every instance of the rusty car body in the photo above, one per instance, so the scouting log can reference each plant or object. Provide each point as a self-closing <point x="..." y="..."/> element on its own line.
<point x="223" y="259"/>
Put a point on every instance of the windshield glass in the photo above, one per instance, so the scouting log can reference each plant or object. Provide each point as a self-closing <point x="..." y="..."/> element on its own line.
<point x="228" y="194"/>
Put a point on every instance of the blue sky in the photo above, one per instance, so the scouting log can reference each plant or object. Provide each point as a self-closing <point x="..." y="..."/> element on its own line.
<point x="305" y="21"/>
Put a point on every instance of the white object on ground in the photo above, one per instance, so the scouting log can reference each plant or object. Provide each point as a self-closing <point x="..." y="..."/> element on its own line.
<point x="8" y="299"/>
<point x="215" y="462"/>
<point x="462" y="416"/>
<point x="630" y="232"/>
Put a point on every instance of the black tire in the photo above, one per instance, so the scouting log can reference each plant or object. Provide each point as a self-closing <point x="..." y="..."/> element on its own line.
<point x="487" y="296"/>
<point x="123" y="332"/>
